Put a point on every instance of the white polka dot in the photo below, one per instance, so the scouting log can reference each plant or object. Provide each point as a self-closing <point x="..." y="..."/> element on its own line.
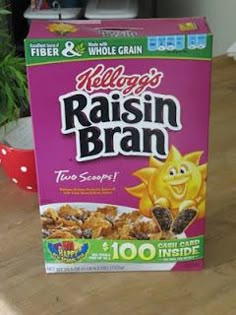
<point x="15" y="180"/>
<point x="29" y="187"/>
<point x="4" y="152"/>
<point x="23" y="169"/>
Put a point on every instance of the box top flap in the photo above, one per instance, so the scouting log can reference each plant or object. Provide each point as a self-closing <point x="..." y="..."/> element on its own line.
<point x="117" y="28"/>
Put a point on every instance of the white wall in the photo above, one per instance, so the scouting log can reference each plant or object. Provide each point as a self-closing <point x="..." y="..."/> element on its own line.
<point x="221" y="15"/>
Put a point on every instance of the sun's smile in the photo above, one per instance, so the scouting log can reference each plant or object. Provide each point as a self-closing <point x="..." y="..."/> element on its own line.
<point x="178" y="191"/>
<point x="178" y="187"/>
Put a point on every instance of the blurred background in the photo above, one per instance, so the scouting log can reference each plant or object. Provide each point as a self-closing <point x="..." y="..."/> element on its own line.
<point x="220" y="14"/>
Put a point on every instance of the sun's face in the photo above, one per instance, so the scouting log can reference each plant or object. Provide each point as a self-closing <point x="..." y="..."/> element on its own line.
<point x="179" y="178"/>
<point x="176" y="180"/>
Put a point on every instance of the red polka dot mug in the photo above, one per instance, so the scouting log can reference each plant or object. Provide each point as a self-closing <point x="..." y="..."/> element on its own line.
<point x="17" y="153"/>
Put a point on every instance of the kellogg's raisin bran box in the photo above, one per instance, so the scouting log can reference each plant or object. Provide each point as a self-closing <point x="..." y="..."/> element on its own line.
<point x="120" y="114"/>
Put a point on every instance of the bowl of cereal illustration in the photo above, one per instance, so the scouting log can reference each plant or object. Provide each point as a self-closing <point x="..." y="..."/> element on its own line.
<point x="96" y="221"/>
<point x="17" y="153"/>
<point x="103" y="222"/>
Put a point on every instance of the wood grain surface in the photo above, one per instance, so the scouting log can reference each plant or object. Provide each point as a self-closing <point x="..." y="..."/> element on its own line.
<point x="25" y="289"/>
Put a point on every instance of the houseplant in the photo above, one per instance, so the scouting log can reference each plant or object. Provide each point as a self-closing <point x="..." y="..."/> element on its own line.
<point x="16" y="145"/>
<point x="13" y="82"/>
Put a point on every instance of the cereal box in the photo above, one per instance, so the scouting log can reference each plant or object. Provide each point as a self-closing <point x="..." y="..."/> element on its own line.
<point x="120" y="115"/>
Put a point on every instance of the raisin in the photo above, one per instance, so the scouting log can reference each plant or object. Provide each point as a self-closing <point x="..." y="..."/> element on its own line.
<point x="84" y="216"/>
<point x="140" y="236"/>
<point x="46" y="233"/>
<point x="163" y="217"/>
<point x="183" y="219"/>
<point x="87" y="233"/>
<point x="71" y="218"/>
<point x="110" y="219"/>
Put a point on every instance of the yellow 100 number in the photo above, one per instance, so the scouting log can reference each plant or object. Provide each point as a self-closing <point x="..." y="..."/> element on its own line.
<point x="129" y="251"/>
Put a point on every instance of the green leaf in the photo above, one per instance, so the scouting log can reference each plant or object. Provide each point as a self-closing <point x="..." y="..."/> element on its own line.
<point x="4" y="12"/>
<point x="13" y="86"/>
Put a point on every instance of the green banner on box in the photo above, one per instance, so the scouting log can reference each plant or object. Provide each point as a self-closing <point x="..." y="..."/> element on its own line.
<point x="130" y="251"/>
<point x="39" y="51"/>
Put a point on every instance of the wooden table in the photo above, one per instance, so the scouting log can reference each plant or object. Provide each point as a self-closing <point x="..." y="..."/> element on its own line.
<point x="26" y="290"/>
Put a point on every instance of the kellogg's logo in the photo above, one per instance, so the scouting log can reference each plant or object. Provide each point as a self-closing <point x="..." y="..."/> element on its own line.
<point x="68" y="251"/>
<point x="100" y="78"/>
<point x="114" y="113"/>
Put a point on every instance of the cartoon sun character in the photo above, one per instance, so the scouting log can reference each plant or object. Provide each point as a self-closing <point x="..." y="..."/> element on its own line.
<point x="179" y="183"/>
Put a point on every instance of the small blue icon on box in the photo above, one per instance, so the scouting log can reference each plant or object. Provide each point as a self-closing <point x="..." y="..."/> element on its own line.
<point x="180" y="42"/>
<point x="198" y="41"/>
<point x="152" y="43"/>
<point x="202" y="41"/>
<point x="161" y="43"/>
<point x="192" y="41"/>
<point x="170" y="42"/>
